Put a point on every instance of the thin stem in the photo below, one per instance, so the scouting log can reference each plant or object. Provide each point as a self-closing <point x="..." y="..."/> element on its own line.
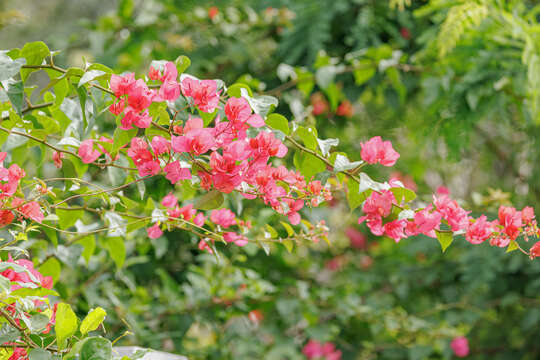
<point x="45" y="143"/>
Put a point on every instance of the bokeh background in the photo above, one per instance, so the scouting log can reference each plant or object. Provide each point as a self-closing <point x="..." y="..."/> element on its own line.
<point x="454" y="84"/>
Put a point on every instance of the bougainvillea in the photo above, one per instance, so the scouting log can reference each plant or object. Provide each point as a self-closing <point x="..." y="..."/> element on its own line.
<point x="220" y="143"/>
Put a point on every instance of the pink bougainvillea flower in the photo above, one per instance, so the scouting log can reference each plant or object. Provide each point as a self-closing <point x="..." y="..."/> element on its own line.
<point x="237" y="110"/>
<point x="160" y="145"/>
<point x="169" y="72"/>
<point x="174" y="172"/>
<point x="196" y="139"/>
<point x="203" y="92"/>
<point x="117" y="107"/>
<point x="460" y="346"/>
<point x="223" y="217"/>
<point x="265" y="145"/>
<point x="511" y="220"/>
<point x="455" y="215"/>
<point x="154" y="231"/>
<point x="6" y="217"/>
<point x="527" y="215"/>
<point x="169" y="201"/>
<point x="379" y="204"/>
<point x="203" y="246"/>
<point x="199" y="219"/>
<point x="479" y="231"/>
<point x="140" y="96"/>
<point x="169" y="90"/>
<point x="395" y="229"/>
<point x="377" y="151"/>
<point x="153" y="73"/>
<point x="425" y="222"/>
<point x="120" y="85"/>
<point x="442" y="190"/>
<point x="30" y="210"/>
<point x="87" y="153"/>
<point x="235" y="238"/>
<point x="535" y="250"/>
<point x="57" y="159"/>
<point x="24" y="277"/>
<point x="149" y="168"/>
<point x="294" y="207"/>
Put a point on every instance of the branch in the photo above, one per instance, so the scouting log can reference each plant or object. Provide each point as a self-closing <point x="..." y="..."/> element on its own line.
<point x="45" y="143"/>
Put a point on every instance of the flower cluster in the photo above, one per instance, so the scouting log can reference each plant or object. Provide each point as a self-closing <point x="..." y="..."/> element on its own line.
<point x="11" y="205"/>
<point x="222" y="157"/>
<point x="381" y="220"/>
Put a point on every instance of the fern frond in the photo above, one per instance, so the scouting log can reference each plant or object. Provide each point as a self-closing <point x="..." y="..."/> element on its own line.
<point x="460" y="20"/>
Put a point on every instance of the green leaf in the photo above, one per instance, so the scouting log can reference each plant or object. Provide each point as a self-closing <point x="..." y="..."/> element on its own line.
<point x="66" y="324"/>
<point x="207" y="117"/>
<point x="34" y="53"/>
<point x="15" y="94"/>
<point x="445" y="239"/>
<point x="91" y="75"/>
<point x="290" y="231"/>
<point x="38" y="322"/>
<point x="91" y="322"/>
<point x="121" y="138"/>
<point x="308" y="136"/>
<point x="362" y="75"/>
<point x="289" y="245"/>
<point x="39" y="354"/>
<point x="211" y="200"/>
<point x="235" y="90"/>
<point x="354" y="197"/>
<point x="512" y="246"/>
<point x="273" y="233"/>
<point x="403" y="194"/>
<point x="51" y="268"/>
<point x="278" y="122"/>
<point x="309" y="165"/>
<point x="23" y="292"/>
<point x="116" y="248"/>
<point x="96" y="348"/>
<point x="182" y="63"/>
<point x="68" y="218"/>
<point x="9" y="67"/>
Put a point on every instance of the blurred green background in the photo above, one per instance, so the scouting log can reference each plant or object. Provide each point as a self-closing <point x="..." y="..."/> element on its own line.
<point x="454" y="84"/>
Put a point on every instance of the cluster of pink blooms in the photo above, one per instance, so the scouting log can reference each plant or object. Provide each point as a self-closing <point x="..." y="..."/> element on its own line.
<point x="19" y="279"/>
<point x="375" y="150"/>
<point x="10" y="204"/>
<point x="377" y="208"/>
<point x="510" y="224"/>
<point x="317" y="351"/>
<point x="236" y="162"/>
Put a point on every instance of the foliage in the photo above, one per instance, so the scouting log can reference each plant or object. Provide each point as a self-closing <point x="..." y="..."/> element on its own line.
<point x="410" y="73"/>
